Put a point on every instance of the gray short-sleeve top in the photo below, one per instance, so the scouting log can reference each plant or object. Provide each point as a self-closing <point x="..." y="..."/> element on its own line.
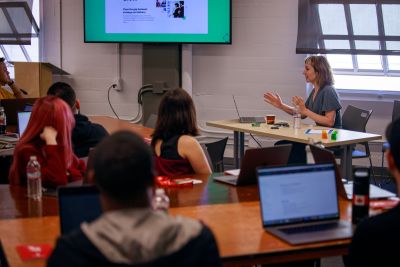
<point x="326" y="100"/>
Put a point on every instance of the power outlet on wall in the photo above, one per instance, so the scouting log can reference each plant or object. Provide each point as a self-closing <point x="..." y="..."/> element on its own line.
<point x="117" y="85"/>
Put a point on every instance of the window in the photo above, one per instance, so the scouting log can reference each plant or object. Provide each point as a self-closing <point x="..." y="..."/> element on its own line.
<point x="19" y="31"/>
<point x="361" y="39"/>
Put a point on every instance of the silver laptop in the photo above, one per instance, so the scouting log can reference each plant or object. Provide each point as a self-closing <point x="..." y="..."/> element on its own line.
<point x="299" y="203"/>
<point x="322" y="155"/>
<point x="247" y="119"/>
<point x="256" y="157"/>
<point x="23" y="119"/>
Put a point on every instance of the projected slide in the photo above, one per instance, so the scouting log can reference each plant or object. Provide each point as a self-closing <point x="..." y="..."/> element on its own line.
<point x="156" y="16"/>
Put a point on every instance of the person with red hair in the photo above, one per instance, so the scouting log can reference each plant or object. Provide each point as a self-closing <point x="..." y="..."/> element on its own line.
<point x="48" y="137"/>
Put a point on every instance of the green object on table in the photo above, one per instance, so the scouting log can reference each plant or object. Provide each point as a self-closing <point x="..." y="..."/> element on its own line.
<point x="334" y="136"/>
<point x="256" y="124"/>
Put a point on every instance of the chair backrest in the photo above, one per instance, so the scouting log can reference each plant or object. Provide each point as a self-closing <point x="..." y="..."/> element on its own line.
<point x="355" y="119"/>
<point x="396" y="110"/>
<point x="216" y="152"/>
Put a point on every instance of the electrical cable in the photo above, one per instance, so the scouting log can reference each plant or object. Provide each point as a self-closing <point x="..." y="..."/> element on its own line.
<point x="109" y="102"/>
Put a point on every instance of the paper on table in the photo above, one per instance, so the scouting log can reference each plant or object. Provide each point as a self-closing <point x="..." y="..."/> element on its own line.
<point x="234" y="172"/>
<point x="316" y="131"/>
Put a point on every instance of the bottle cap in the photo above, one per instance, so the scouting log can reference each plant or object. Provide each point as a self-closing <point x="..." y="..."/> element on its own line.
<point x="32" y="157"/>
<point x="160" y="191"/>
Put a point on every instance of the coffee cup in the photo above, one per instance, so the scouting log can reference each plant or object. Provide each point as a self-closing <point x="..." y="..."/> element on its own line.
<point x="270" y="118"/>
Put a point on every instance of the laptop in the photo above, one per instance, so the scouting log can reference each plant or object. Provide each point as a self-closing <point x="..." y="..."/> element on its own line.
<point x="299" y="203"/>
<point x="3" y="258"/>
<point x="12" y="106"/>
<point x="247" y="119"/>
<point x="23" y="119"/>
<point x="77" y="204"/>
<point x="322" y="155"/>
<point x="253" y="158"/>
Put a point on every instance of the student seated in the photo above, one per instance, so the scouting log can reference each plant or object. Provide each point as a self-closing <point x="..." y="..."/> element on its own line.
<point x="130" y="232"/>
<point x="374" y="241"/>
<point x="176" y="150"/>
<point x="85" y="134"/>
<point x="48" y="137"/>
<point x="6" y="80"/>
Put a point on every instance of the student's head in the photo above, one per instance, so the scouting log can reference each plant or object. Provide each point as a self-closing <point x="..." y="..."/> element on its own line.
<point x="123" y="170"/>
<point x="4" y="74"/>
<point x="322" y="69"/>
<point x="393" y="155"/>
<point x="65" y="92"/>
<point x="176" y="116"/>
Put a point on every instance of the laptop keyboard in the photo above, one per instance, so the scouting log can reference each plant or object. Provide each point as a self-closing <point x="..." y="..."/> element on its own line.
<point x="310" y="228"/>
<point x="251" y="119"/>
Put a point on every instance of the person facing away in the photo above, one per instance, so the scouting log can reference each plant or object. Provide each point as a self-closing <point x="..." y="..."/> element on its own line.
<point x="85" y="134"/>
<point x="176" y="150"/>
<point x="322" y="105"/>
<point x="374" y="241"/>
<point x="48" y="137"/>
<point x="130" y="232"/>
<point x="6" y="80"/>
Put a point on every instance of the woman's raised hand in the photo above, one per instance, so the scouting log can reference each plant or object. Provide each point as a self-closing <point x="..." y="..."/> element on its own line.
<point x="299" y="102"/>
<point x="273" y="99"/>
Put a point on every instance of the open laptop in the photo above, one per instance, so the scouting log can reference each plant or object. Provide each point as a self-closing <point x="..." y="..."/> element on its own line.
<point x="322" y="155"/>
<point x="23" y="119"/>
<point x="3" y="258"/>
<point x="299" y="203"/>
<point x="247" y="119"/>
<point x="256" y="157"/>
<point x="13" y="106"/>
<point x="76" y="205"/>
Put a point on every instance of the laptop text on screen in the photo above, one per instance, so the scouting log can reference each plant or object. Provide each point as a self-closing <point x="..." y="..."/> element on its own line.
<point x="299" y="203"/>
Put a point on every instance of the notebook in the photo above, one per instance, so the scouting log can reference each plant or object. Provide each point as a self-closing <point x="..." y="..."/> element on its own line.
<point x="13" y="106"/>
<point x="253" y="158"/>
<point x="247" y="119"/>
<point x="77" y="204"/>
<point x="299" y="203"/>
<point x="322" y="155"/>
<point x="23" y="119"/>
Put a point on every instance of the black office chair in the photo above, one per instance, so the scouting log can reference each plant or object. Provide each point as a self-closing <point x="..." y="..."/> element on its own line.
<point x="356" y="119"/>
<point x="395" y="115"/>
<point x="216" y="152"/>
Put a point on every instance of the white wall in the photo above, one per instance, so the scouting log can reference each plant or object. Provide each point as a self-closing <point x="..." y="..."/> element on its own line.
<point x="262" y="57"/>
<point x="93" y="67"/>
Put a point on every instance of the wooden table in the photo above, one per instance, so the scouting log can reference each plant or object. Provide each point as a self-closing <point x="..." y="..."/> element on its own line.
<point x="112" y="125"/>
<point x="15" y="204"/>
<point x="237" y="228"/>
<point x="345" y="138"/>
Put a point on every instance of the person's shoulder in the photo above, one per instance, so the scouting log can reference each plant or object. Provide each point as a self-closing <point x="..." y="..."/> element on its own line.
<point x="328" y="88"/>
<point x="187" y="140"/>
<point x="379" y="224"/>
<point x="73" y="250"/>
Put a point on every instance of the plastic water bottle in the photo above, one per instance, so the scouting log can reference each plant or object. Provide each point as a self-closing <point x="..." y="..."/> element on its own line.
<point x="3" y="121"/>
<point x="34" y="179"/>
<point x="296" y="118"/>
<point x="161" y="200"/>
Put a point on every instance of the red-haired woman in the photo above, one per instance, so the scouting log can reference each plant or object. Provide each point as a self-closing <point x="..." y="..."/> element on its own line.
<point x="176" y="150"/>
<point x="48" y="137"/>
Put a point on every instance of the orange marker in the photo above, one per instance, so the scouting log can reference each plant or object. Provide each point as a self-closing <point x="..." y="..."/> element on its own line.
<point x="324" y="134"/>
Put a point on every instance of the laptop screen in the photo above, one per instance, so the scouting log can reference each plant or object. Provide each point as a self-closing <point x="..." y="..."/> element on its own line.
<point x="294" y="194"/>
<point x="23" y="119"/>
<point x="76" y="205"/>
